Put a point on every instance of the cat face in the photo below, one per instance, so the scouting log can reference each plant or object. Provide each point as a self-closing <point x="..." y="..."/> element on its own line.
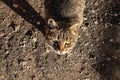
<point x="61" y="38"/>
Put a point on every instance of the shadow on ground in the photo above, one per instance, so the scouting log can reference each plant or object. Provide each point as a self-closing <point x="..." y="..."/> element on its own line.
<point x="108" y="50"/>
<point x="25" y="10"/>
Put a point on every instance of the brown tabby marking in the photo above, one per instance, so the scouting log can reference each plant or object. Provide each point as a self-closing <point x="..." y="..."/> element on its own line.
<point x="64" y="17"/>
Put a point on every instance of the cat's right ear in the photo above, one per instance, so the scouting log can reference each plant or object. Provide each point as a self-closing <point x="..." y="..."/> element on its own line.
<point x="51" y="22"/>
<point x="74" y="28"/>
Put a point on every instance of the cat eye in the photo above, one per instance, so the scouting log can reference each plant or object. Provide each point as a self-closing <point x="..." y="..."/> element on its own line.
<point x="68" y="44"/>
<point x="56" y="43"/>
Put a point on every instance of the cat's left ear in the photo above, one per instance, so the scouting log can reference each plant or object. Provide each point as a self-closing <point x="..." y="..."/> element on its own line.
<point x="51" y="22"/>
<point x="74" y="28"/>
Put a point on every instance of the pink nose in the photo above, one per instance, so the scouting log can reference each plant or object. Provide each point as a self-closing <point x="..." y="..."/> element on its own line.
<point x="61" y="49"/>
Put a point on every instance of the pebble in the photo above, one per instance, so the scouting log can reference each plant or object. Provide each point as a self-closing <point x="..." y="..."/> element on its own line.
<point x="111" y="40"/>
<point x="17" y="28"/>
<point x="93" y="11"/>
<point x="15" y="5"/>
<point x="85" y="18"/>
<point x="96" y="22"/>
<point x="34" y="40"/>
<point x="2" y="33"/>
<point x="84" y="28"/>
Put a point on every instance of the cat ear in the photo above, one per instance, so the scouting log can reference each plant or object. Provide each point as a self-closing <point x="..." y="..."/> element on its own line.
<point x="74" y="28"/>
<point x="51" y="22"/>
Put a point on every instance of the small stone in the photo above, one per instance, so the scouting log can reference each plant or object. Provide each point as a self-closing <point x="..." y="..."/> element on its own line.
<point x="24" y="45"/>
<point x="85" y="18"/>
<point x="93" y="11"/>
<point x="96" y="22"/>
<point x="101" y="19"/>
<point x="96" y="3"/>
<point x="84" y="28"/>
<point x="34" y="40"/>
<point x="17" y="28"/>
<point x="115" y="14"/>
<point x="15" y="5"/>
<point x="38" y="22"/>
<point x="111" y="40"/>
<point x="2" y="33"/>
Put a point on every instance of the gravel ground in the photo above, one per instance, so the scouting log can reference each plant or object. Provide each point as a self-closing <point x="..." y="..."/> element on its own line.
<point x="23" y="54"/>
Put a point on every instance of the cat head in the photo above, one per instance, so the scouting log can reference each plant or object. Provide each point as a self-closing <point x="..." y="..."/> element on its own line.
<point x="61" y="37"/>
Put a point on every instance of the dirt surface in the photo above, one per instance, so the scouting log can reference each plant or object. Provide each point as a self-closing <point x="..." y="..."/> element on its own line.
<point x="23" y="54"/>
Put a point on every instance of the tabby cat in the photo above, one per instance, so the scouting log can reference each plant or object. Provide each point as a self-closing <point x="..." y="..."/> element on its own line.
<point x="63" y="18"/>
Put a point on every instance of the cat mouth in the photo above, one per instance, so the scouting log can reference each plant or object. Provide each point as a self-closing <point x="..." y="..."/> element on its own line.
<point x="63" y="52"/>
<point x="56" y="50"/>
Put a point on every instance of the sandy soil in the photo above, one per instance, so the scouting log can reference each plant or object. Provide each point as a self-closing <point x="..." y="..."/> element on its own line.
<point x="23" y="54"/>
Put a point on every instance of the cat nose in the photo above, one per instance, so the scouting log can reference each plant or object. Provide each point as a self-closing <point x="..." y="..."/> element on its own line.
<point x="61" y="49"/>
